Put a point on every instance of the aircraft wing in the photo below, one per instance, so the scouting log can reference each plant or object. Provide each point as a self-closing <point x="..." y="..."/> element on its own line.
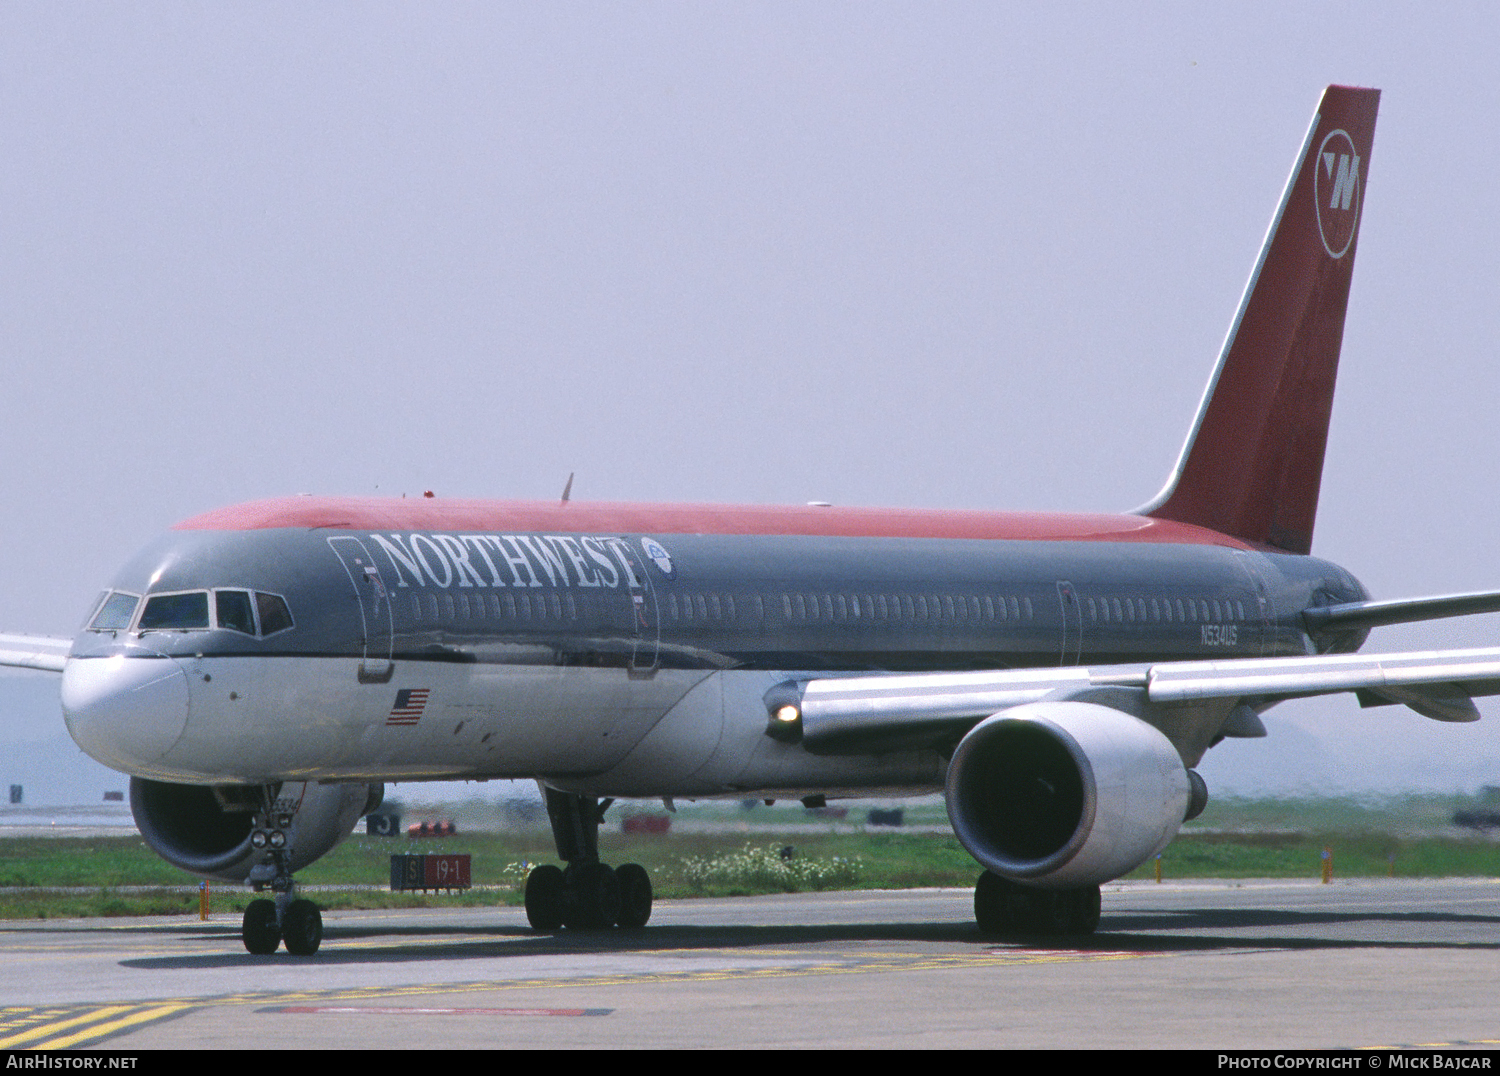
<point x="838" y="714"/>
<point x="43" y="652"/>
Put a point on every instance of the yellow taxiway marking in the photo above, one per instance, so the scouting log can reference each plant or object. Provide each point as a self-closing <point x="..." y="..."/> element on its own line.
<point x="62" y="1028"/>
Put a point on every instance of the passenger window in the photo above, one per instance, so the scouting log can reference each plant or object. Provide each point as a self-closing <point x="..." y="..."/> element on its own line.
<point x="234" y="610"/>
<point x="176" y="612"/>
<point x="116" y="612"/>
<point x="274" y="614"/>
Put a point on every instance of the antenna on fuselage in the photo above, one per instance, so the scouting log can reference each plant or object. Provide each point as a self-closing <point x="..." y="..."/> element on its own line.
<point x="568" y="489"/>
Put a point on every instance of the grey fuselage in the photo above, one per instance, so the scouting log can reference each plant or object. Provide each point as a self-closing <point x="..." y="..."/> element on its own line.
<point x="628" y="663"/>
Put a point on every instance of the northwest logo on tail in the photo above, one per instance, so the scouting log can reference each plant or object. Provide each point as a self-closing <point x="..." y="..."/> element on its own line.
<point x="1336" y="192"/>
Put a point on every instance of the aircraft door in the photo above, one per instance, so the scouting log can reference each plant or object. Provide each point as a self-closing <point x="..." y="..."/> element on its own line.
<point x="1262" y="615"/>
<point x="375" y="615"/>
<point x="645" y="609"/>
<point x="1072" y="623"/>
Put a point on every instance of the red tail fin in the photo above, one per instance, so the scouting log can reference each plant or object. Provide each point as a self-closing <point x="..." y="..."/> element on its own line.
<point x="1254" y="460"/>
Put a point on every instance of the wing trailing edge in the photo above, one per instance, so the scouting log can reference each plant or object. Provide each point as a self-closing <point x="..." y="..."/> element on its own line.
<point x="857" y="714"/>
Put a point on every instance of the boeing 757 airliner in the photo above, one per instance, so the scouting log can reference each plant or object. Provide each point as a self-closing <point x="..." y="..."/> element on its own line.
<point x="261" y="670"/>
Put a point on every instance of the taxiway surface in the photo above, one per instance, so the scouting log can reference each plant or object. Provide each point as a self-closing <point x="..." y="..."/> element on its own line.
<point x="1210" y="965"/>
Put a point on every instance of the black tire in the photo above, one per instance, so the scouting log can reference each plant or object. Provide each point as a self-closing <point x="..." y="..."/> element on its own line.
<point x="259" y="930"/>
<point x="592" y="897"/>
<point x="1048" y="912"/>
<point x="635" y="896"/>
<point x="302" y="928"/>
<point x="993" y="904"/>
<point x="1083" y="910"/>
<point x="544" y="898"/>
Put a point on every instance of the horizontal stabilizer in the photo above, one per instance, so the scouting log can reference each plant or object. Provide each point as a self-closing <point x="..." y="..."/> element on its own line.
<point x="34" y="652"/>
<point x="1359" y="615"/>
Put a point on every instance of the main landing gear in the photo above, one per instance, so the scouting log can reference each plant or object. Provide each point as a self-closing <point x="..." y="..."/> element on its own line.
<point x="586" y="894"/>
<point x="1005" y="907"/>
<point x="269" y="923"/>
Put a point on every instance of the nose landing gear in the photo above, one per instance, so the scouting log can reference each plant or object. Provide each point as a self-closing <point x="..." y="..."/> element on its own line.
<point x="300" y="926"/>
<point x="587" y="894"/>
<point x="286" y="919"/>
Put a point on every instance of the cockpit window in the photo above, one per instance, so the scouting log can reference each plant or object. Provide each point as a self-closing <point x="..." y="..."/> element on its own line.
<point x="234" y="610"/>
<point x="274" y="615"/>
<point x="115" y="613"/>
<point x="175" y="612"/>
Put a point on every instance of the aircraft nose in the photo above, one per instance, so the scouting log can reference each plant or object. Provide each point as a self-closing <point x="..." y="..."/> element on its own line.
<point x="126" y="712"/>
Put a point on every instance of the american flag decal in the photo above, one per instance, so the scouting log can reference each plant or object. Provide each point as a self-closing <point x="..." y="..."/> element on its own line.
<point x="410" y="702"/>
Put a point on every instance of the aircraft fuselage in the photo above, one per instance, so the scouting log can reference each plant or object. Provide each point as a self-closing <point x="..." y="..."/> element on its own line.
<point x="431" y="639"/>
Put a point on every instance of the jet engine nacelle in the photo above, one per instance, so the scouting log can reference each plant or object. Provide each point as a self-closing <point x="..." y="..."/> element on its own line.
<point x="1060" y="794"/>
<point x="209" y="832"/>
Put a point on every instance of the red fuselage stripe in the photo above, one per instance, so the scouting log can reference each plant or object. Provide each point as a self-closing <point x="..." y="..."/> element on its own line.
<point x="433" y="514"/>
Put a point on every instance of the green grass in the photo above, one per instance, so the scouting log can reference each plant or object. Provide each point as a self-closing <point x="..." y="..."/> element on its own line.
<point x="1232" y="839"/>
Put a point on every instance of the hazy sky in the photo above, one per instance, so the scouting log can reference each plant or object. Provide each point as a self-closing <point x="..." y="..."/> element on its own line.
<point x="872" y="253"/>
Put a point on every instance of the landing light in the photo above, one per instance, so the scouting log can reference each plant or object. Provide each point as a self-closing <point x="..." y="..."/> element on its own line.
<point x="786" y="723"/>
